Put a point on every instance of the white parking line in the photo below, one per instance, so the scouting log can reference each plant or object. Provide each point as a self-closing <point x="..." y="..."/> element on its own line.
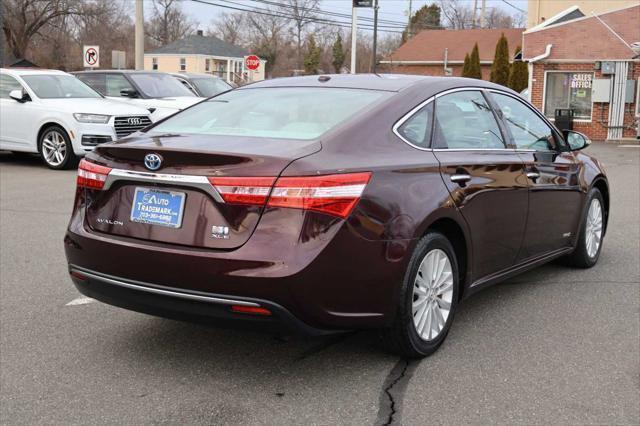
<point x="629" y="146"/>
<point x="82" y="300"/>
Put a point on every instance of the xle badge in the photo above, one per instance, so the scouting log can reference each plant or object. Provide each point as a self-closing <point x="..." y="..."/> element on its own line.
<point x="220" y="232"/>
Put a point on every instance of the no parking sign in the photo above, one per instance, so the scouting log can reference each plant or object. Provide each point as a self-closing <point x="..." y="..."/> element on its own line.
<point x="91" y="56"/>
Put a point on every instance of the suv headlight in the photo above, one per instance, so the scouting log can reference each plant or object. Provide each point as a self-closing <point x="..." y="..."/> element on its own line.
<point x="91" y="118"/>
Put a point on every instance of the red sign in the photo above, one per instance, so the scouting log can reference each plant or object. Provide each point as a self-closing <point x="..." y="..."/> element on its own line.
<point x="91" y="56"/>
<point x="252" y="62"/>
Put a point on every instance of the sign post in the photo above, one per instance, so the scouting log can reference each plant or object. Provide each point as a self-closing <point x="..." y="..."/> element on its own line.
<point x="91" y="56"/>
<point x="354" y="28"/>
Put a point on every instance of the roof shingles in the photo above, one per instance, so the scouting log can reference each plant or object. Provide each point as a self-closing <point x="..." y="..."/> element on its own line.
<point x="201" y="45"/>
<point x="429" y="45"/>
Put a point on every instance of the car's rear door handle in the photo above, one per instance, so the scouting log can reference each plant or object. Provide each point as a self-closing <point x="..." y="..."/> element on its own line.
<point x="460" y="178"/>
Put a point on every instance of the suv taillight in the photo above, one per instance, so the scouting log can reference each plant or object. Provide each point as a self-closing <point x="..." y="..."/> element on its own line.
<point x="92" y="175"/>
<point x="336" y="195"/>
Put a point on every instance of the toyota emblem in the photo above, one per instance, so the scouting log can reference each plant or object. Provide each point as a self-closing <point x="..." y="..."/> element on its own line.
<point x="134" y="121"/>
<point x="152" y="161"/>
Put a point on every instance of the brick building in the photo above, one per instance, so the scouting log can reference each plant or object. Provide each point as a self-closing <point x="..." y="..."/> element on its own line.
<point x="431" y="51"/>
<point x="590" y="64"/>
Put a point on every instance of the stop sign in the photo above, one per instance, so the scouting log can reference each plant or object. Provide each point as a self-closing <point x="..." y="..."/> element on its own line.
<point x="252" y="62"/>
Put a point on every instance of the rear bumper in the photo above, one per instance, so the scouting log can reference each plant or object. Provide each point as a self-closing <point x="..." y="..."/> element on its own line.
<point x="186" y="305"/>
<point x="326" y="277"/>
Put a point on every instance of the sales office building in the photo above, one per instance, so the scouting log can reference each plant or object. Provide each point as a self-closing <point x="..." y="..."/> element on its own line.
<point x="589" y="63"/>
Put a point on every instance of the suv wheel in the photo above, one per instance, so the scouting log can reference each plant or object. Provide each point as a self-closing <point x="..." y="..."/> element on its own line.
<point x="56" y="149"/>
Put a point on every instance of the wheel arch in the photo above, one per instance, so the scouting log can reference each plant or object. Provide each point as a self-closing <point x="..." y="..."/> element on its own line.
<point x="600" y="182"/>
<point x="456" y="234"/>
<point x="47" y="124"/>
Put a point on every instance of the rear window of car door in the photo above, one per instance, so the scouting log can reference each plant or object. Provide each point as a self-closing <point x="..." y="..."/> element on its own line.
<point x="464" y="120"/>
<point x="528" y="130"/>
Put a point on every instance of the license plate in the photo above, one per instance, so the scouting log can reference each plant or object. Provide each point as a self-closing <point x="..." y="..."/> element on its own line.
<point x="158" y="207"/>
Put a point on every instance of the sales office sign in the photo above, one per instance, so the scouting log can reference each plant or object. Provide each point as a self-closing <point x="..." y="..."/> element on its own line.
<point x="581" y="81"/>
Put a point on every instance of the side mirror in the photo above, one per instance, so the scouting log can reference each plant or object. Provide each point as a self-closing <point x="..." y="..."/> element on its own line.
<point x="576" y="140"/>
<point x="129" y="93"/>
<point x="19" y="95"/>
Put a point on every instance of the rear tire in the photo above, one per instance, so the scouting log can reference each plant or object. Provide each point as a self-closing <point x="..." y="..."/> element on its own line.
<point x="428" y="299"/>
<point x="55" y="149"/>
<point x="589" y="244"/>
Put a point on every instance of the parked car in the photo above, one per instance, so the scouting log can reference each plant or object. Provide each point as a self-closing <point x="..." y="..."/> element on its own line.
<point x="203" y="85"/>
<point x="54" y="114"/>
<point x="334" y="203"/>
<point x="159" y="92"/>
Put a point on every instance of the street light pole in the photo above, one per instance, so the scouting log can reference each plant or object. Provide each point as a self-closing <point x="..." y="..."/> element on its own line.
<point x="375" y="33"/>
<point x="354" y="32"/>
<point x="139" y="36"/>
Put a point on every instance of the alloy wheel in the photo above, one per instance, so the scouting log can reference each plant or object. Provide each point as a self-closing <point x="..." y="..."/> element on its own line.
<point x="54" y="148"/>
<point x="593" y="235"/>
<point x="432" y="294"/>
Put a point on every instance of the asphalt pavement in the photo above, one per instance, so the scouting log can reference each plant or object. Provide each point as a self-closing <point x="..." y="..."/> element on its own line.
<point x="555" y="345"/>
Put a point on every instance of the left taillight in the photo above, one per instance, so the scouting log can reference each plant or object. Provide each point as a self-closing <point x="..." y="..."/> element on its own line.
<point x="336" y="195"/>
<point x="91" y="175"/>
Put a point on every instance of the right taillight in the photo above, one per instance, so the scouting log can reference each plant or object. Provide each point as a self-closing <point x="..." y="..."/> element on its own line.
<point x="336" y="195"/>
<point x="92" y="176"/>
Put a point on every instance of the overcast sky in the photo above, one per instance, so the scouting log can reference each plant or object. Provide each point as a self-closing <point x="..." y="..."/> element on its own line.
<point x="393" y="10"/>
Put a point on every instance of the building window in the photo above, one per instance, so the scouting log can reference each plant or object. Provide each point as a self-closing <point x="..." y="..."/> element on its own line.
<point x="154" y="63"/>
<point x="183" y="64"/>
<point x="568" y="90"/>
<point x="207" y="65"/>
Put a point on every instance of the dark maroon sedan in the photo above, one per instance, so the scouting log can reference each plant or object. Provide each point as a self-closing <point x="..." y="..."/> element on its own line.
<point x="332" y="203"/>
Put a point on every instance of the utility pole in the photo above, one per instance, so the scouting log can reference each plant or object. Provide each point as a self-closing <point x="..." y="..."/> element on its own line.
<point x="354" y="32"/>
<point x="139" y="36"/>
<point x="409" y="21"/>
<point x="484" y="4"/>
<point x="475" y="13"/>
<point x="375" y="33"/>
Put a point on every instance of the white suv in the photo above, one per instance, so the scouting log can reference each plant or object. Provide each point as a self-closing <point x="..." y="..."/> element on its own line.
<point x="58" y="116"/>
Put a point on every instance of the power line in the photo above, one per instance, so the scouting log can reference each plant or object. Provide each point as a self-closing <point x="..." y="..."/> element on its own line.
<point x="268" y="12"/>
<point x="514" y="6"/>
<point x="330" y="13"/>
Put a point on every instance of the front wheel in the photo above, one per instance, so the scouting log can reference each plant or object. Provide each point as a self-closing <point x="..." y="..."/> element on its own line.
<point x="428" y="300"/>
<point x="589" y="244"/>
<point x="55" y="149"/>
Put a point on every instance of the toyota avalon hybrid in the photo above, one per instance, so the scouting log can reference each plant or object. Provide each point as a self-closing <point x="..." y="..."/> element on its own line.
<point x="334" y="203"/>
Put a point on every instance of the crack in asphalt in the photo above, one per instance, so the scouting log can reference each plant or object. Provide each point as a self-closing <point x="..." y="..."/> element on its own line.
<point x="393" y="392"/>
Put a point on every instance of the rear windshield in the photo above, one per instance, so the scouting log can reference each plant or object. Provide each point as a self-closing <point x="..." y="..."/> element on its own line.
<point x="210" y="86"/>
<point x="286" y="113"/>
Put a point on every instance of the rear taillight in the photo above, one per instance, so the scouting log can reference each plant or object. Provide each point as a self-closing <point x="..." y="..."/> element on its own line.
<point x="336" y="195"/>
<point x="92" y="175"/>
<point x="243" y="190"/>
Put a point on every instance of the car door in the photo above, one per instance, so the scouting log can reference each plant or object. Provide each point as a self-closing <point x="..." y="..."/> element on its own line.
<point x="17" y="118"/>
<point x="555" y="196"/>
<point x="484" y="176"/>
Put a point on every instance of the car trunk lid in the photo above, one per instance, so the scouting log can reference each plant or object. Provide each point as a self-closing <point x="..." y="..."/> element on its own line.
<point x="177" y="203"/>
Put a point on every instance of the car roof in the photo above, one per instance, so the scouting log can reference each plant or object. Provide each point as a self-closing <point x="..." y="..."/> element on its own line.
<point x="119" y="72"/>
<point x="193" y="75"/>
<point x="32" y="71"/>
<point x="386" y="82"/>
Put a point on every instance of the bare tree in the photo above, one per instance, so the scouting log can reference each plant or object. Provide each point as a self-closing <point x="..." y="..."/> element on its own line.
<point x="456" y="14"/>
<point x="169" y="23"/>
<point x="303" y="13"/>
<point x="229" y="27"/>
<point x="24" y="19"/>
